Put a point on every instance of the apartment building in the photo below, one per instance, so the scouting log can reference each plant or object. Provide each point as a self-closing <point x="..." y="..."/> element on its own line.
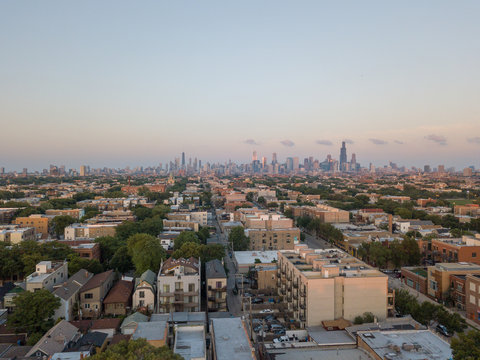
<point x="178" y="285"/>
<point x="270" y="231"/>
<point x="464" y="249"/>
<point x="38" y="222"/>
<point x="89" y="251"/>
<point x="6" y="215"/>
<point x="326" y="214"/>
<point x="93" y="292"/>
<point x="200" y="217"/>
<point x="173" y="225"/>
<point x="472" y="297"/>
<point x="320" y="285"/>
<point x="13" y="234"/>
<point x="439" y="280"/>
<point x="216" y="282"/>
<point x="91" y="231"/>
<point x="230" y="340"/>
<point x="47" y="275"/>
<point x="74" y="213"/>
<point x="467" y="210"/>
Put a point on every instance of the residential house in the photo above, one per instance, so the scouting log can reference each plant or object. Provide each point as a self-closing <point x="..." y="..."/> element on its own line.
<point x="131" y="322"/>
<point x="145" y="290"/>
<point x="68" y="294"/>
<point x="119" y="299"/>
<point x="216" y="280"/>
<point x="94" y="292"/>
<point x="54" y="340"/>
<point x="47" y="275"/>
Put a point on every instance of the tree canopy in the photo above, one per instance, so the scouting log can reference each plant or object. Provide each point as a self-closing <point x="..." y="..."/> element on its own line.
<point x="136" y="349"/>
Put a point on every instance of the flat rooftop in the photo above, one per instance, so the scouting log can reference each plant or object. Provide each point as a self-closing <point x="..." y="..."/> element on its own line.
<point x="321" y="354"/>
<point x="396" y="344"/>
<point x="150" y="330"/>
<point x="190" y="341"/>
<point x="248" y="257"/>
<point x="231" y="339"/>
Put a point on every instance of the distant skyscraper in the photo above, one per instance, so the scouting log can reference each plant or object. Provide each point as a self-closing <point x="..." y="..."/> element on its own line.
<point x="427" y="169"/>
<point x="264" y="161"/>
<point x="441" y="168"/>
<point x="274" y="158"/>
<point x="254" y="156"/>
<point x="183" y="160"/>
<point x="2" y="170"/>
<point x="83" y="170"/>
<point x="296" y="163"/>
<point x="343" y="156"/>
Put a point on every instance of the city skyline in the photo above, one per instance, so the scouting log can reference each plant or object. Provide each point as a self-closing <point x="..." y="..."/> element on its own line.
<point x="221" y="80"/>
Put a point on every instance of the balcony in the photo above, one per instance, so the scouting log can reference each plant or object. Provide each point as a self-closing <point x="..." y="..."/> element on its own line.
<point x="223" y="288"/>
<point x="283" y="291"/>
<point x="302" y="293"/>
<point x="295" y="296"/>
<point x="295" y="285"/>
<point x="302" y="318"/>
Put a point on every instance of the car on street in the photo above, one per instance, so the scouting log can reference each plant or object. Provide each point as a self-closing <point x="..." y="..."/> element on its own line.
<point x="266" y="311"/>
<point x="257" y="301"/>
<point x="443" y="330"/>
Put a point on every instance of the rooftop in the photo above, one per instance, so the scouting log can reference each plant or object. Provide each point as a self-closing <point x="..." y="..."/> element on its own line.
<point x="403" y="345"/>
<point x="231" y="339"/>
<point x="150" y="330"/>
<point x="190" y="341"/>
<point x="248" y="257"/>
<point x="214" y="269"/>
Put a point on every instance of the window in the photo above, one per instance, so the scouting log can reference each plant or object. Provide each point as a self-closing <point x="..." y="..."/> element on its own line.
<point x="191" y="287"/>
<point x="472" y="287"/>
<point x="433" y="285"/>
<point x="474" y="254"/>
<point x="87" y="306"/>
<point x="166" y="288"/>
<point x="219" y="284"/>
<point x="410" y="282"/>
<point x="141" y="294"/>
<point x="88" y="296"/>
<point x="473" y="300"/>
<point x="178" y="285"/>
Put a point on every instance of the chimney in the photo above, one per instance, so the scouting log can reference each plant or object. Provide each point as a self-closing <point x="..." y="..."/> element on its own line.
<point x="390" y="223"/>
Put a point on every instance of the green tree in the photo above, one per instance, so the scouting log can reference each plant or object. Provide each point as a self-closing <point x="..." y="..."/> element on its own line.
<point x="152" y="226"/>
<point x="189" y="249"/>
<point x="136" y="349"/>
<point x="146" y="252"/>
<point x="121" y="261"/>
<point x="126" y="229"/>
<point x="184" y="237"/>
<point x="109" y="246"/>
<point x="34" y="311"/>
<point x="238" y="239"/>
<point x="466" y="346"/>
<point x="411" y="251"/>
<point x="77" y="263"/>
<point x="203" y="234"/>
<point x="141" y="212"/>
<point x="61" y="222"/>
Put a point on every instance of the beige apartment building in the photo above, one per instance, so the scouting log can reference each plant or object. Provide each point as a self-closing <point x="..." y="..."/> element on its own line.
<point x="75" y="213"/>
<point x="178" y="285"/>
<point x="326" y="214"/>
<point x="438" y="277"/>
<point x="329" y="284"/>
<point x="47" y="275"/>
<point x="216" y="285"/>
<point x="38" y="222"/>
<point x="13" y="234"/>
<point x="91" y="231"/>
<point x="94" y="292"/>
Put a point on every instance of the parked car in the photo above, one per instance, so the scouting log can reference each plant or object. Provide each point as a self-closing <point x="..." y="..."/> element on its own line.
<point x="274" y="327"/>
<point x="247" y="295"/>
<point x="270" y="317"/>
<point x="259" y="327"/>
<point x="279" y="332"/>
<point x="443" y="330"/>
<point x="266" y="311"/>
<point x="280" y="339"/>
<point x="257" y="301"/>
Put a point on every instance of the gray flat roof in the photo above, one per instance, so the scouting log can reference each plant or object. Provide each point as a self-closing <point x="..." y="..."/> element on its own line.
<point x="190" y="341"/>
<point x="429" y="345"/>
<point x="324" y="337"/>
<point x="150" y="330"/>
<point x="321" y="354"/>
<point x="231" y="339"/>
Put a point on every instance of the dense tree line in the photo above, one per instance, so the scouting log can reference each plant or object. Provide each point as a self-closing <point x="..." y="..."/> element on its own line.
<point x="323" y="230"/>
<point x="396" y="253"/>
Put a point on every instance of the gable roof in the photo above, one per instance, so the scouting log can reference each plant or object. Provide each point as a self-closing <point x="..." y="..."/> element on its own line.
<point x="215" y="270"/>
<point x="148" y="276"/>
<point x="73" y="284"/>
<point x="135" y="318"/>
<point x="55" y="339"/>
<point x="96" y="280"/>
<point x="120" y="293"/>
<point x="111" y="323"/>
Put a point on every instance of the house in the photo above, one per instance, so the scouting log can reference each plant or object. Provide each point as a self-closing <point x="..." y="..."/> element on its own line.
<point x="55" y="340"/>
<point x="10" y="296"/>
<point x="130" y="323"/>
<point x="68" y="294"/>
<point x="4" y="290"/>
<point x="94" y="292"/>
<point x="216" y="279"/>
<point x="94" y="342"/>
<point x="119" y="299"/>
<point x="47" y="275"/>
<point x="145" y="289"/>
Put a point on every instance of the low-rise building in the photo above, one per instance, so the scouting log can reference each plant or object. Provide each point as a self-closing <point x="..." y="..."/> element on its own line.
<point x="88" y="250"/>
<point x="13" y="234"/>
<point x="464" y="249"/>
<point x="47" y="275"/>
<point x="190" y="342"/>
<point x="74" y="213"/>
<point x="472" y="297"/>
<point x="145" y="291"/>
<point x="94" y="292"/>
<point x="415" y="278"/>
<point x="119" y="299"/>
<point x="326" y="214"/>
<point x="439" y="277"/>
<point x="156" y="332"/>
<point x="230" y="340"/>
<point x="55" y="340"/>
<point x="91" y="231"/>
<point x="216" y="280"/>
<point x="178" y="285"/>
<point x="131" y="322"/>
<point x="38" y="222"/>
<point x="68" y="293"/>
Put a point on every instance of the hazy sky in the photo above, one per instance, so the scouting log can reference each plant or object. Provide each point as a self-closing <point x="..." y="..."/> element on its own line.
<point x="116" y="83"/>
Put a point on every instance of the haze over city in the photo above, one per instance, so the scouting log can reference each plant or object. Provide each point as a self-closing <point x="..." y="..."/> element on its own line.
<point x="116" y="83"/>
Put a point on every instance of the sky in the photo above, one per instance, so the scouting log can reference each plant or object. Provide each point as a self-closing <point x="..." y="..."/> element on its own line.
<point x="122" y="83"/>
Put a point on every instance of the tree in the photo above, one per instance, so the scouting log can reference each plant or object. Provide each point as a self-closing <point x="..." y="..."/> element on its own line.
<point x="61" y="222"/>
<point x="411" y="251"/>
<point x="141" y="212"/>
<point x="152" y="226"/>
<point x="189" y="249"/>
<point x="34" y="311"/>
<point x="203" y="234"/>
<point x="77" y="263"/>
<point x="136" y="349"/>
<point x="238" y="239"/>
<point x="466" y="346"/>
<point x="121" y="261"/>
<point x="109" y="245"/>
<point x="126" y="229"/>
<point x="184" y="237"/>
<point x="146" y="252"/>
<point x="212" y="251"/>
